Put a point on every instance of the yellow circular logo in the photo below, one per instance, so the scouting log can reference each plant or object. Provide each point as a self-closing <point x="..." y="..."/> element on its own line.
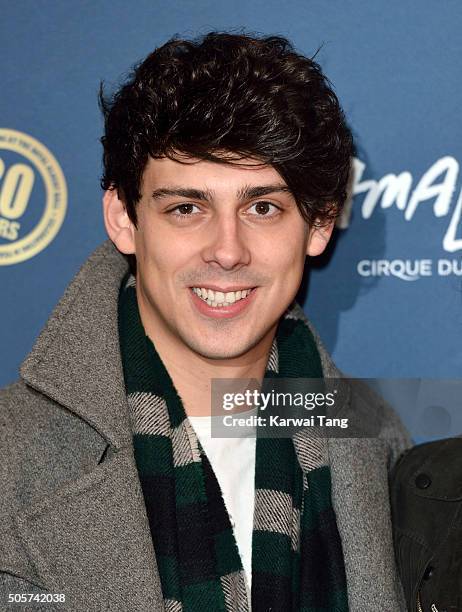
<point x="33" y="197"/>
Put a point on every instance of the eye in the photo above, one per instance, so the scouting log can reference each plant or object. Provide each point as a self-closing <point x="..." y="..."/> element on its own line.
<point x="184" y="210"/>
<point x="264" y="209"/>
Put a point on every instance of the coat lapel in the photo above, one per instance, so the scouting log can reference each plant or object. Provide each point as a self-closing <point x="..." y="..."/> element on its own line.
<point x="362" y="508"/>
<point x="91" y="541"/>
<point x="76" y="359"/>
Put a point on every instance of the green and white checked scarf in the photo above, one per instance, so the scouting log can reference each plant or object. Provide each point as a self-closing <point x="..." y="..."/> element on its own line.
<point x="297" y="560"/>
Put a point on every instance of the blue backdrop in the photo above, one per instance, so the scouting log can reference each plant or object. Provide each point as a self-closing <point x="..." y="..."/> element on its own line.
<point x="387" y="300"/>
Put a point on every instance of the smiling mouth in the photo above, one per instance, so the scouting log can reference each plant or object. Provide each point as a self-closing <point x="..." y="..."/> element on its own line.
<point x="219" y="299"/>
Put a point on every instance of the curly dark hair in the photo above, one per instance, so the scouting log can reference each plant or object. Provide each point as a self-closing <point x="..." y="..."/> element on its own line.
<point x="224" y="97"/>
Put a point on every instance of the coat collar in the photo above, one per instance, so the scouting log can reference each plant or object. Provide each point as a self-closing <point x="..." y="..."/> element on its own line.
<point x="76" y="359"/>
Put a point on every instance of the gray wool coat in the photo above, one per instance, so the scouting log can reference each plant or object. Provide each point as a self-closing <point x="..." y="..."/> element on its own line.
<point x="72" y="514"/>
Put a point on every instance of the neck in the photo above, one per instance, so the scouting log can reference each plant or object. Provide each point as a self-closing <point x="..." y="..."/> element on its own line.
<point x="192" y="376"/>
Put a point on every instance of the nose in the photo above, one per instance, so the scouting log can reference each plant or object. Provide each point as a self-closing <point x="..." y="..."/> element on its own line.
<point x="226" y="246"/>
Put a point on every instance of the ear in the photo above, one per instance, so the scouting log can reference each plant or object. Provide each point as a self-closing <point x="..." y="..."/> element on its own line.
<point x="119" y="227"/>
<point x="318" y="238"/>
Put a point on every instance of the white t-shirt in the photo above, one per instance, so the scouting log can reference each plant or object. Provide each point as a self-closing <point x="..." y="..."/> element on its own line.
<point x="233" y="463"/>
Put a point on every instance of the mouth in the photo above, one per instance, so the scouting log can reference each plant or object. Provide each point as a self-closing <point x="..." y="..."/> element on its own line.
<point x="222" y="304"/>
<point x="220" y="299"/>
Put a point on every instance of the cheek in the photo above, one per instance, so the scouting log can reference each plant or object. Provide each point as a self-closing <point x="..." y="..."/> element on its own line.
<point x="285" y="262"/>
<point x="286" y="253"/>
<point x="160" y="253"/>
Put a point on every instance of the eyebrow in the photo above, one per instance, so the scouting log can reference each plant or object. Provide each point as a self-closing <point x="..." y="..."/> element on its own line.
<point x="245" y="193"/>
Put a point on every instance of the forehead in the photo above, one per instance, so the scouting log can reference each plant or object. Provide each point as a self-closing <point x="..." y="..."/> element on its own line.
<point x="199" y="173"/>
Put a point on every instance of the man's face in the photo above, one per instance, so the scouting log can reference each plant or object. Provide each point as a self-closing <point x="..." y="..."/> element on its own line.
<point x="220" y="252"/>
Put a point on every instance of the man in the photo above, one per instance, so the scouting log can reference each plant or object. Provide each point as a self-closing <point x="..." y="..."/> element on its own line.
<point x="225" y="164"/>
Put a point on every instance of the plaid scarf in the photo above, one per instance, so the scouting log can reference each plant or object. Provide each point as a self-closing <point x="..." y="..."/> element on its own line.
<point x="297" y="560"/>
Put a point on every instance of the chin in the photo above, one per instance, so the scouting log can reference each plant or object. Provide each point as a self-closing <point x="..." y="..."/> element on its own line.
<point x="212" y="350"/>
<point x="219" y="353"/>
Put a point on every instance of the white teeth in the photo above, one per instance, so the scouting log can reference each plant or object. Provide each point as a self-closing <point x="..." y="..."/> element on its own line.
<point x="219" y="298"/>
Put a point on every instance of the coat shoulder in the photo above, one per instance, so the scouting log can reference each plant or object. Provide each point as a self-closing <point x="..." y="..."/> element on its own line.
<point x="382" y="420"/>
